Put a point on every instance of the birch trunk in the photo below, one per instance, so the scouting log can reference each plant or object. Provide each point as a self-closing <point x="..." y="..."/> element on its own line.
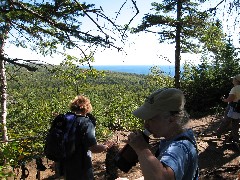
<point x="3" y="99"/>
<point x="3" y="84"/>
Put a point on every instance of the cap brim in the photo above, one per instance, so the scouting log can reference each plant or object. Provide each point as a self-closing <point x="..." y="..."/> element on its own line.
<point x="144" y="113"/>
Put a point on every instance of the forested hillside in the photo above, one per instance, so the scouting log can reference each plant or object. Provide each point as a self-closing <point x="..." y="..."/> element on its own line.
<point x="33" y="98"/>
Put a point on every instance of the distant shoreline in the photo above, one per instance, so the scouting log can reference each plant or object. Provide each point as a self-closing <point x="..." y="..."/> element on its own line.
<point x="137" y="69"/>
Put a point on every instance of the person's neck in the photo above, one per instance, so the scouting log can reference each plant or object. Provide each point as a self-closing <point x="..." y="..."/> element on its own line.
<point x="79" y="113"/>
<point x="174" y="132"/>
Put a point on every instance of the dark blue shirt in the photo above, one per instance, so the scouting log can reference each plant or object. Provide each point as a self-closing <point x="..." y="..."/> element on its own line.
<point x="79" y="167"/>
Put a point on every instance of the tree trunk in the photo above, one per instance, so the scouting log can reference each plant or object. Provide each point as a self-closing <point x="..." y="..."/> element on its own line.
<point x="3" y="96"/>
<point x="178" y="42"/>
<point x="3" y="84"/>
<point x="3" y="100"/>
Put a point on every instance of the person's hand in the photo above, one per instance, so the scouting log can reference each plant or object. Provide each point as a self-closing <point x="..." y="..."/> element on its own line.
<point x="137" y="142"/>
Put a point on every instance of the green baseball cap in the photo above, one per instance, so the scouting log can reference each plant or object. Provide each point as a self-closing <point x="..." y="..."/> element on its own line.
<point x="162" y="100"/>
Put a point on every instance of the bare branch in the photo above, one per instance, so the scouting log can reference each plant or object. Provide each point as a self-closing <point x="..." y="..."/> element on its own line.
<point x="215" y="8"/>
<point x="135" y="5"/>
<point x="27" y="66"/>
<point x="85" y="12"/>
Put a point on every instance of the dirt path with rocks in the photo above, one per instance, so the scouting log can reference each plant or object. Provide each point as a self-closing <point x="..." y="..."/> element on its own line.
<point x="218" y="159"/>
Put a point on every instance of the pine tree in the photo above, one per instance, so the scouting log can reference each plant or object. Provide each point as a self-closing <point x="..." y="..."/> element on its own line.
<point x="179" y="22"/>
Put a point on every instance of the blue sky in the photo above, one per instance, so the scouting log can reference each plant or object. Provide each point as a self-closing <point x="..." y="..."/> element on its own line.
<point x="140" y="49"/>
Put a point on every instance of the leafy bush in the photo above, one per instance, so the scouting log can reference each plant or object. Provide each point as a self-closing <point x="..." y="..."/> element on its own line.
<point x="34" y="97"/>
<point x="205" y="84"/>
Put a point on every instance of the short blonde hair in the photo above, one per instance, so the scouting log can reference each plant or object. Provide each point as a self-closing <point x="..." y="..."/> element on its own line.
<point x="81" y="103"/>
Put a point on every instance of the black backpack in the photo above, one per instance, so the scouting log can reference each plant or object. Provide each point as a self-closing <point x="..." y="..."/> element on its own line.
<point x="60" y="141"/>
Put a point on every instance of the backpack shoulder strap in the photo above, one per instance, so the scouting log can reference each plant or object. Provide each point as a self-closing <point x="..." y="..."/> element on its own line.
<point x="195" y="145"/>
<point x="74" y="120"/>
<point x="189" y="139"/>
<point x="70" y="120"/>
<point x="179" y="139"/>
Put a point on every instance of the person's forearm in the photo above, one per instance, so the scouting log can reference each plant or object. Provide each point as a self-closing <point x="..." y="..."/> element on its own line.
<point x="151" y="167"/>
<point x="98" y="148"/>
<point x="227" y="100"/>
<point x="230" y="98"/>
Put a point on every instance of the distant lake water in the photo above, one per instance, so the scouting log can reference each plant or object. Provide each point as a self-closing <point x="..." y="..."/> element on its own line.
<point x="137" y="69"/>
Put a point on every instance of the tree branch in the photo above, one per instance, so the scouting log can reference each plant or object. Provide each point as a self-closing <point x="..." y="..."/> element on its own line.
<point x="137" y="12"/>
<point x="215" y="8"/>
<point x="61" y="26"/>
<point x="85" y="12"/>
<point x="28" y="67"/>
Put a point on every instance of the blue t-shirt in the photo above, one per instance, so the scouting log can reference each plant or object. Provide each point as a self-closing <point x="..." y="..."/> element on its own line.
<point x="79" y="167"/>
<point x="180" y="155"/>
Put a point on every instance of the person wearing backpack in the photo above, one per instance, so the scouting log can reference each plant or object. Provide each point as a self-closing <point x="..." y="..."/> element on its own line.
<point x="176" y="157"/>
<point x="79" y="166"/>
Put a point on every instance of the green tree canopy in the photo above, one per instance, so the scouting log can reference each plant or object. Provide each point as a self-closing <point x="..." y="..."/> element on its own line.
<point x="47" y="26"/>
<point x="181" y="22"/>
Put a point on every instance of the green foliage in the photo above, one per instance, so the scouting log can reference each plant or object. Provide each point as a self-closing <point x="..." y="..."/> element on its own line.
<point x="182" y="23"/>
<point x="205" y="84"/>
<point x="159" y="78"/>
<point x="50" y="27"/>
<point x="35" y="97"/>
<point x="6" y="172"/>
<point x="213" y="37"/>
<point x="194" y="24"/>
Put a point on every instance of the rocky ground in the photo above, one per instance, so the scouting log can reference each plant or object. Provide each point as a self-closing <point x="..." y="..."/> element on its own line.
<point x="218" y="159"/>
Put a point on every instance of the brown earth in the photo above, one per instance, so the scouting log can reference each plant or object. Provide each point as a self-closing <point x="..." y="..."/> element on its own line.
<point x="218" y="159"/>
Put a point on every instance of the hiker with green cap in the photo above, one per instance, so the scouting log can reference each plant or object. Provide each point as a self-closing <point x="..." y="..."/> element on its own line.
<point x="164" y="117"/>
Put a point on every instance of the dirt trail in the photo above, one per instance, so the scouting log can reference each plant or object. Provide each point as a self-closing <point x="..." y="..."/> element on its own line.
<point x="218" y="160"/>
